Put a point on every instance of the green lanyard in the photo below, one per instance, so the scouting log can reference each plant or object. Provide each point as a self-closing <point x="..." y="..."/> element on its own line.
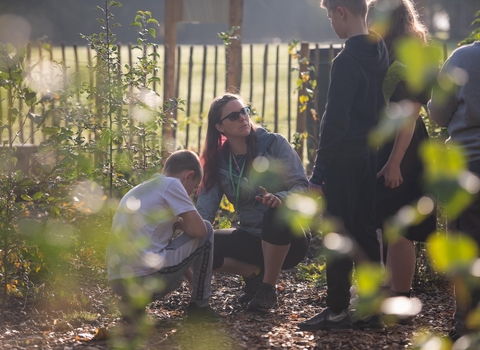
<point x="237" y="189"/>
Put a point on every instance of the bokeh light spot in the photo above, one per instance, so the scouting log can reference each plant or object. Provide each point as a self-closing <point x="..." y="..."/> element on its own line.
<point x="260" y="164"/>
<point x="339" y="243"/>
<point x="425" y="205"/>
<point x="401" y="306"/>
<point x="87" y="197"/>
<point x="133" y="204"/>
<point x="15" y="30"/>
<point x="406" y="215"/>
<point x="303" y="204"/>
<point x="469" y="181"/>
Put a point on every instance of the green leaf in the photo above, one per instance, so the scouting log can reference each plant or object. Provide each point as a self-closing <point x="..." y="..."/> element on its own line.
<point x="50" y="130"/>
<point x="26" y="197"/>
<point x="136" y="24"/>
<point x="152" y="32"/>
<point x="451" y="252"/>
<point x="153" y="20"/>
<point x="369" y="278"/>
<point x="37" y="195"/>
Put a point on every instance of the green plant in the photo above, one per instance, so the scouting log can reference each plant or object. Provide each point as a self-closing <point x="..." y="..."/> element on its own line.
<point x="314" y="273"/>
<point x="55" y="219"/>
<point x="475" y="35"/>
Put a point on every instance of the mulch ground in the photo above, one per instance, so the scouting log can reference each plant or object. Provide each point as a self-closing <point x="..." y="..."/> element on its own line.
<point x="27" y="326"/>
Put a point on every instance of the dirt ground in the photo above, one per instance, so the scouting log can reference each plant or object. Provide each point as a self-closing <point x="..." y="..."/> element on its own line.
<point x="29" y="327"/>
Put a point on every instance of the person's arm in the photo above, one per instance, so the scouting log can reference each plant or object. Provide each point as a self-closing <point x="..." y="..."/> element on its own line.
<point x="179" y="202"/>
<point x="293" y="172"/>
<point x="192" y="224"/>
<point x="391" y="170"/>
<point x="336" y="119"/>
<point x="443" y="104"/>
<point x="208" y="202"/>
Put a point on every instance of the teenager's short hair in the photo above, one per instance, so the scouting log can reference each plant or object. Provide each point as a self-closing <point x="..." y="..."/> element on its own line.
<point x="182" y="160"/>
<point x="357" y="7"/>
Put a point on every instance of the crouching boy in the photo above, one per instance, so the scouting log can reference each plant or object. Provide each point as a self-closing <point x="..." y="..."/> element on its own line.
<point x="145" y="260"/>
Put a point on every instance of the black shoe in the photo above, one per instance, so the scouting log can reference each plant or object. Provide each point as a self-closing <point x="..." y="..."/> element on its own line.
<point x="250" y="288"/>
<point x="198" y="314"/>
<point x="370" y="323"/>
<point x="264" y="300"/>
<point x="327" y="320"/>
<point x="453" y="335"/>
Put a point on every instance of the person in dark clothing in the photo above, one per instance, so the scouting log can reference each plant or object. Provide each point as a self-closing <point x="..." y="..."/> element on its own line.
<point x="458" y="109"/>
<point x="345" y="167"/>
<point x="400" y="167"/>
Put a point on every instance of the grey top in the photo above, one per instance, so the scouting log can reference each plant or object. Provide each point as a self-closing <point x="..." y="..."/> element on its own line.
<point x="280" y="171"/>
<point x="459" y="110"/>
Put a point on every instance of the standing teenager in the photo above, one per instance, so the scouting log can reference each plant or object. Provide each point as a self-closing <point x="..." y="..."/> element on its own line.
<point x="345" y="167"/>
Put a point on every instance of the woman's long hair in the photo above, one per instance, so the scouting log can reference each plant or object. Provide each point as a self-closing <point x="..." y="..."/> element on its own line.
<point x="215" y="145"/>
<point x="404" y="22"/>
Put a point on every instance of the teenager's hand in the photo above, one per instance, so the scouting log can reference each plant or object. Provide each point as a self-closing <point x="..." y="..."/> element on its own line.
<point x="268" y="199"/>
<point x="392" y="174"/>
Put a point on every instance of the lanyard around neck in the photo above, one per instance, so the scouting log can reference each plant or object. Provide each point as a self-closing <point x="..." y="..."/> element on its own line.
<point x="237" y="188"/>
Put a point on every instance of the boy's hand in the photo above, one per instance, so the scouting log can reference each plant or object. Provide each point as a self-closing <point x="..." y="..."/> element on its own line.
<point x="268" y="199"/>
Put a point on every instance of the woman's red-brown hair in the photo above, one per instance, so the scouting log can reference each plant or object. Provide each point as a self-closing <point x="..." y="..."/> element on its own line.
<point x="215" y="145"/>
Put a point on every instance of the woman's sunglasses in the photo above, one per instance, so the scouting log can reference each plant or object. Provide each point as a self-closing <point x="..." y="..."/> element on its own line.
<point x="235" y="115"/>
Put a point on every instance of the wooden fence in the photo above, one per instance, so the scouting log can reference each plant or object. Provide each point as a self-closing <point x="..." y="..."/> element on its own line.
<point x="268" y="82"/>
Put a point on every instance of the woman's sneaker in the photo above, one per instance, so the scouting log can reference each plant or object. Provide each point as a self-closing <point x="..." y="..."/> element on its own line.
<point x="264" y="300"/>
<point x="250" y="288"/>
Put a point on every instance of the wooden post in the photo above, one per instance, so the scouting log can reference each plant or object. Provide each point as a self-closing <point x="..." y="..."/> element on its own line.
<point x="301" y="115"/>
<point x="234" y="74"/>
<point x="173" y="13"/>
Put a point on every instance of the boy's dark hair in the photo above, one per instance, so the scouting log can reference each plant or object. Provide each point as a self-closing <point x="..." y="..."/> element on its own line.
<point x="182" y="160"/>
<point x="357" y="7"/>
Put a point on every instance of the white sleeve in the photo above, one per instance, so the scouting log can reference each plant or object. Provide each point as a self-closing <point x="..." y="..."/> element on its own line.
<point x="177" y="198"/>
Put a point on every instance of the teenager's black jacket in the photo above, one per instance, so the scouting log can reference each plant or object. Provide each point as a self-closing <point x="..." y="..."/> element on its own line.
<point x="354" y="101"/>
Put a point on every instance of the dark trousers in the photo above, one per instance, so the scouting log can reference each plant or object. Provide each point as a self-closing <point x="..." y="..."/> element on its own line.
<point x="468" y="223"/>
<point x="245" y="247"/>
<point x="349" y="192"/>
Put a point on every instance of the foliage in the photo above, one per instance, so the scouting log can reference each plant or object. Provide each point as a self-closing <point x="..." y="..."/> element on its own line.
<point x="314" y="273"/>
<point x="475" y="35"/>
<point x="55" y="215"/>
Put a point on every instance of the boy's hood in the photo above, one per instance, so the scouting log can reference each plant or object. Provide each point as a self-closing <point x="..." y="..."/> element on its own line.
<point x="368" y="50"/>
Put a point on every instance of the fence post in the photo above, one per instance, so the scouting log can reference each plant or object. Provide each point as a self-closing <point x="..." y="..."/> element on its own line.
<point x="265" y="67"/>
<point x="189" y="96"/>
<point x="301" y="114"/>
<point x="275" y="112"/>
<point x="202" y="96"/>
<point x="289" y="97"/>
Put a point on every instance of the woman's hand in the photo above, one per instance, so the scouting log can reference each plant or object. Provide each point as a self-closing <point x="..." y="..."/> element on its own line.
<point x="392" y="174"/>
<point x="268" y="199"/>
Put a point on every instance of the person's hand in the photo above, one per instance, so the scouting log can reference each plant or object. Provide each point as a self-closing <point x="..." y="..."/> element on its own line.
<point x="268" y="199"/>
<point x="392" y="174"/>
<point x="178" y="225"/>
<point x="317" y="190"/>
